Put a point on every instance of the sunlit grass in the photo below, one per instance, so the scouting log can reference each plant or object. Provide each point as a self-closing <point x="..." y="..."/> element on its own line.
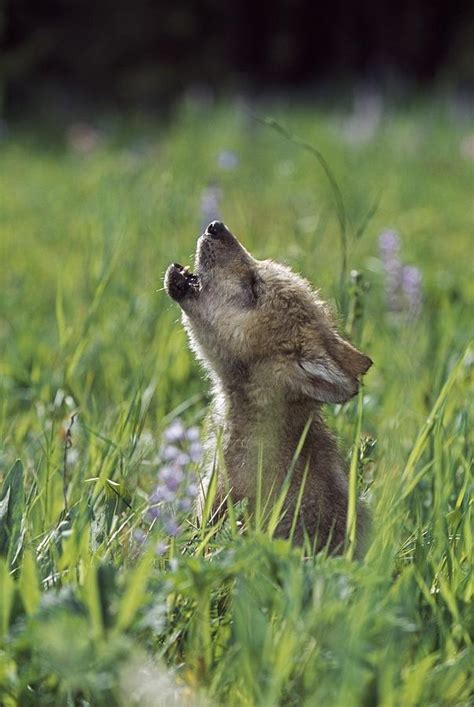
<point x="223" y="612"/>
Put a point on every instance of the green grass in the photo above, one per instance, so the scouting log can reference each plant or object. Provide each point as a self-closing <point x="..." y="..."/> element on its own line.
<point x="225" y="617"/>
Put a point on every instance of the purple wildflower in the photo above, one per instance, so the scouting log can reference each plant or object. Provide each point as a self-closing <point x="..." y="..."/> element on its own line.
<point x="389" y="244"/>
<point x="402" y="282"/>
<point x="195" y="452"/>
<point x="176" y="489"/>
<point x="139" y="538"/>
<point x="210" y="204"/>
<point x="182" y="459"/>
<point x="192" y="434"/>
<point x="162" y="493"/>
<point x="175" y="432"/>
<point x="192" y="490"/>
<point x="170" y="453"/>
<point x="184" y="504"/>
<point x="389" y="248"/>
<point x="228" y="160"/>
<point x="172" y="476"/>
<point x="153" y="513"/>
<point x="411" y="286"/>
<point x="172" y="527"/>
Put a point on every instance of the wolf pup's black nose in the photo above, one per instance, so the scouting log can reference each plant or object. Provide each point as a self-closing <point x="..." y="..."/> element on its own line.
<point x="216" y="228"/>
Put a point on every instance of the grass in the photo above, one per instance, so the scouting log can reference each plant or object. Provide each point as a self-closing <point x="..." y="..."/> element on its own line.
<point x="217" y="616"/>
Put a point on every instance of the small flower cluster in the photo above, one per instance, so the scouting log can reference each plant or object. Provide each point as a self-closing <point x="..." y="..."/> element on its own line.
<point x="403" y="283"/>
<point x="177" y="485"/>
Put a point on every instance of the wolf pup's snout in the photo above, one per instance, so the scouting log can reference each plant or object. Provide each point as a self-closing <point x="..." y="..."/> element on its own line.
<point x="217" y="229"/>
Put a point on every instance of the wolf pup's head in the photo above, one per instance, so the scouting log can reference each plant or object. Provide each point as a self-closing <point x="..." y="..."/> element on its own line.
<point x="256" y="322"/>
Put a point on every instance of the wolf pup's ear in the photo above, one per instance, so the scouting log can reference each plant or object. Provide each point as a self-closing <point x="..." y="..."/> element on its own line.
<point x="332" y="375"/>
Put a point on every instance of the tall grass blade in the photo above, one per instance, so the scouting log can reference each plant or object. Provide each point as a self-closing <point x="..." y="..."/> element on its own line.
<point x="337" y="194"/>
<point x="12" y="506"/>
<point x="351" y="525"/>
<point x="135" y="591"/>
<point x="276" y="514"/>
<point x="424" y="433"/>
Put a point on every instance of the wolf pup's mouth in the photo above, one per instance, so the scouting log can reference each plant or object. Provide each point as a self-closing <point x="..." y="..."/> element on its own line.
<point x="215" y="246"/>
<point x="180" y="282"/>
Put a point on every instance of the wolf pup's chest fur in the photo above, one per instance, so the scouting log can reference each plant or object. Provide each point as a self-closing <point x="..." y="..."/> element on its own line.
<point x="273" y="355"/>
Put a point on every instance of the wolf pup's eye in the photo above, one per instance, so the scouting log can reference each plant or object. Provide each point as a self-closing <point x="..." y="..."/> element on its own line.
<point x="254" y="286"/>
<point x="250" y="289"/>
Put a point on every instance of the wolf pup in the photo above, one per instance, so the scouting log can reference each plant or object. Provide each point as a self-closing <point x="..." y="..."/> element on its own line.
<point x="271" y="349"/>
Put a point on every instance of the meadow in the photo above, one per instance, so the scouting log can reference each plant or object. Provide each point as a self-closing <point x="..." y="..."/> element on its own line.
<point x="110" y="594"/>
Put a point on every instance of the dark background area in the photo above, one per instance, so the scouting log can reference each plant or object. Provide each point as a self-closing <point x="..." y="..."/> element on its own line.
<point x="147" y="52"/>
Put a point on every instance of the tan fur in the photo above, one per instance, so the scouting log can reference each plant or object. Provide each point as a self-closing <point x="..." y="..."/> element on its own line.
<point x="274" y="356"/>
